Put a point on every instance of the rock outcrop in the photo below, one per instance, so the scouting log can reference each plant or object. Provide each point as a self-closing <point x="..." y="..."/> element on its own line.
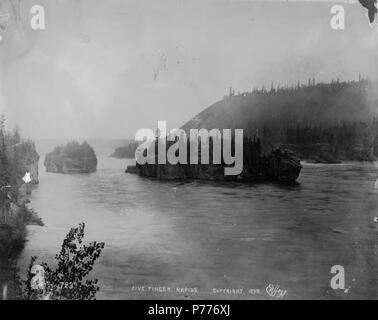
<point x="71" y="158"/>
<point x="281" y="166"/>
<point x="126" y="152"/>
<point x="17" y="157"/>
<point x="27" y="160"/>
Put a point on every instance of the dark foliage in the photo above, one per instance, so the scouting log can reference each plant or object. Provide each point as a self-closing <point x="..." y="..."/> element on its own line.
<point x="69" y="280"/>
<point x="318" y="120"/>
<point x="15" y="156"/>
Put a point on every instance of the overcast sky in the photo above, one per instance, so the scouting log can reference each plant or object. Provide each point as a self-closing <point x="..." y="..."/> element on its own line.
<point x="109" y="68"/>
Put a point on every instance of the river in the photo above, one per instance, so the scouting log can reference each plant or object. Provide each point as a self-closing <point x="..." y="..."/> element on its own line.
<point x="211" y="236"/>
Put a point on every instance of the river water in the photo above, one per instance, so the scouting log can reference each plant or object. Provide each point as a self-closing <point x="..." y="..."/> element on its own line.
<point x="209" y="236"/>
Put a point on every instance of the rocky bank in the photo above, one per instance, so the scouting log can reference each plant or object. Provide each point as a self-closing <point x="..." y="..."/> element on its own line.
<point x="17" y="159"/>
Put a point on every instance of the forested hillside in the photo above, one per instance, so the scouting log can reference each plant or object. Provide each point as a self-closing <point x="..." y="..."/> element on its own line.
<point x="319" y="121"/>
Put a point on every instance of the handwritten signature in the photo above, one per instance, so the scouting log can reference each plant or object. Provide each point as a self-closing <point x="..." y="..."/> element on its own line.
<point x="275" y="291"/>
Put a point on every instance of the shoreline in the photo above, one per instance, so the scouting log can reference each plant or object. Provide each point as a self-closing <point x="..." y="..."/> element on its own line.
<point x="113" y="289"/>
<point x="13" y="236"/>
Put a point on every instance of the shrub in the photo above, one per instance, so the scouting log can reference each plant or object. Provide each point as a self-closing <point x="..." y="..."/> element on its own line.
<point x="69" y="280"/>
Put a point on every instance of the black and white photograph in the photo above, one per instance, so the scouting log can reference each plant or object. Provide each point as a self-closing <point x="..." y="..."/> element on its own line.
<point x="188" y="150"/>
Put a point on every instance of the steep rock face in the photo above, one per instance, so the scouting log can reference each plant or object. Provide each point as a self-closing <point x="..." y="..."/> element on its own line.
<point x="71" y="158"/>
<point x="278" y="166"/>
<point x="27" y="160"/>
<point x="17" y="157"/>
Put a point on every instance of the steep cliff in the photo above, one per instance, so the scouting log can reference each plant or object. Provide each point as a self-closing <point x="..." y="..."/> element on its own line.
<point x="27" y="160"/>
<point x="17" y="157"/>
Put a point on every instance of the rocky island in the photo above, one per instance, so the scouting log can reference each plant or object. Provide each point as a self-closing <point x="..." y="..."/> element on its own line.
<point x="280" y="166"/>
<point x="71" y="158"/>
<point x="125" y="152"/>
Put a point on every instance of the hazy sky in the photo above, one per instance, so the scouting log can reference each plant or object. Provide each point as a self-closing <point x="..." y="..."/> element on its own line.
<point x="109" y="68"/>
